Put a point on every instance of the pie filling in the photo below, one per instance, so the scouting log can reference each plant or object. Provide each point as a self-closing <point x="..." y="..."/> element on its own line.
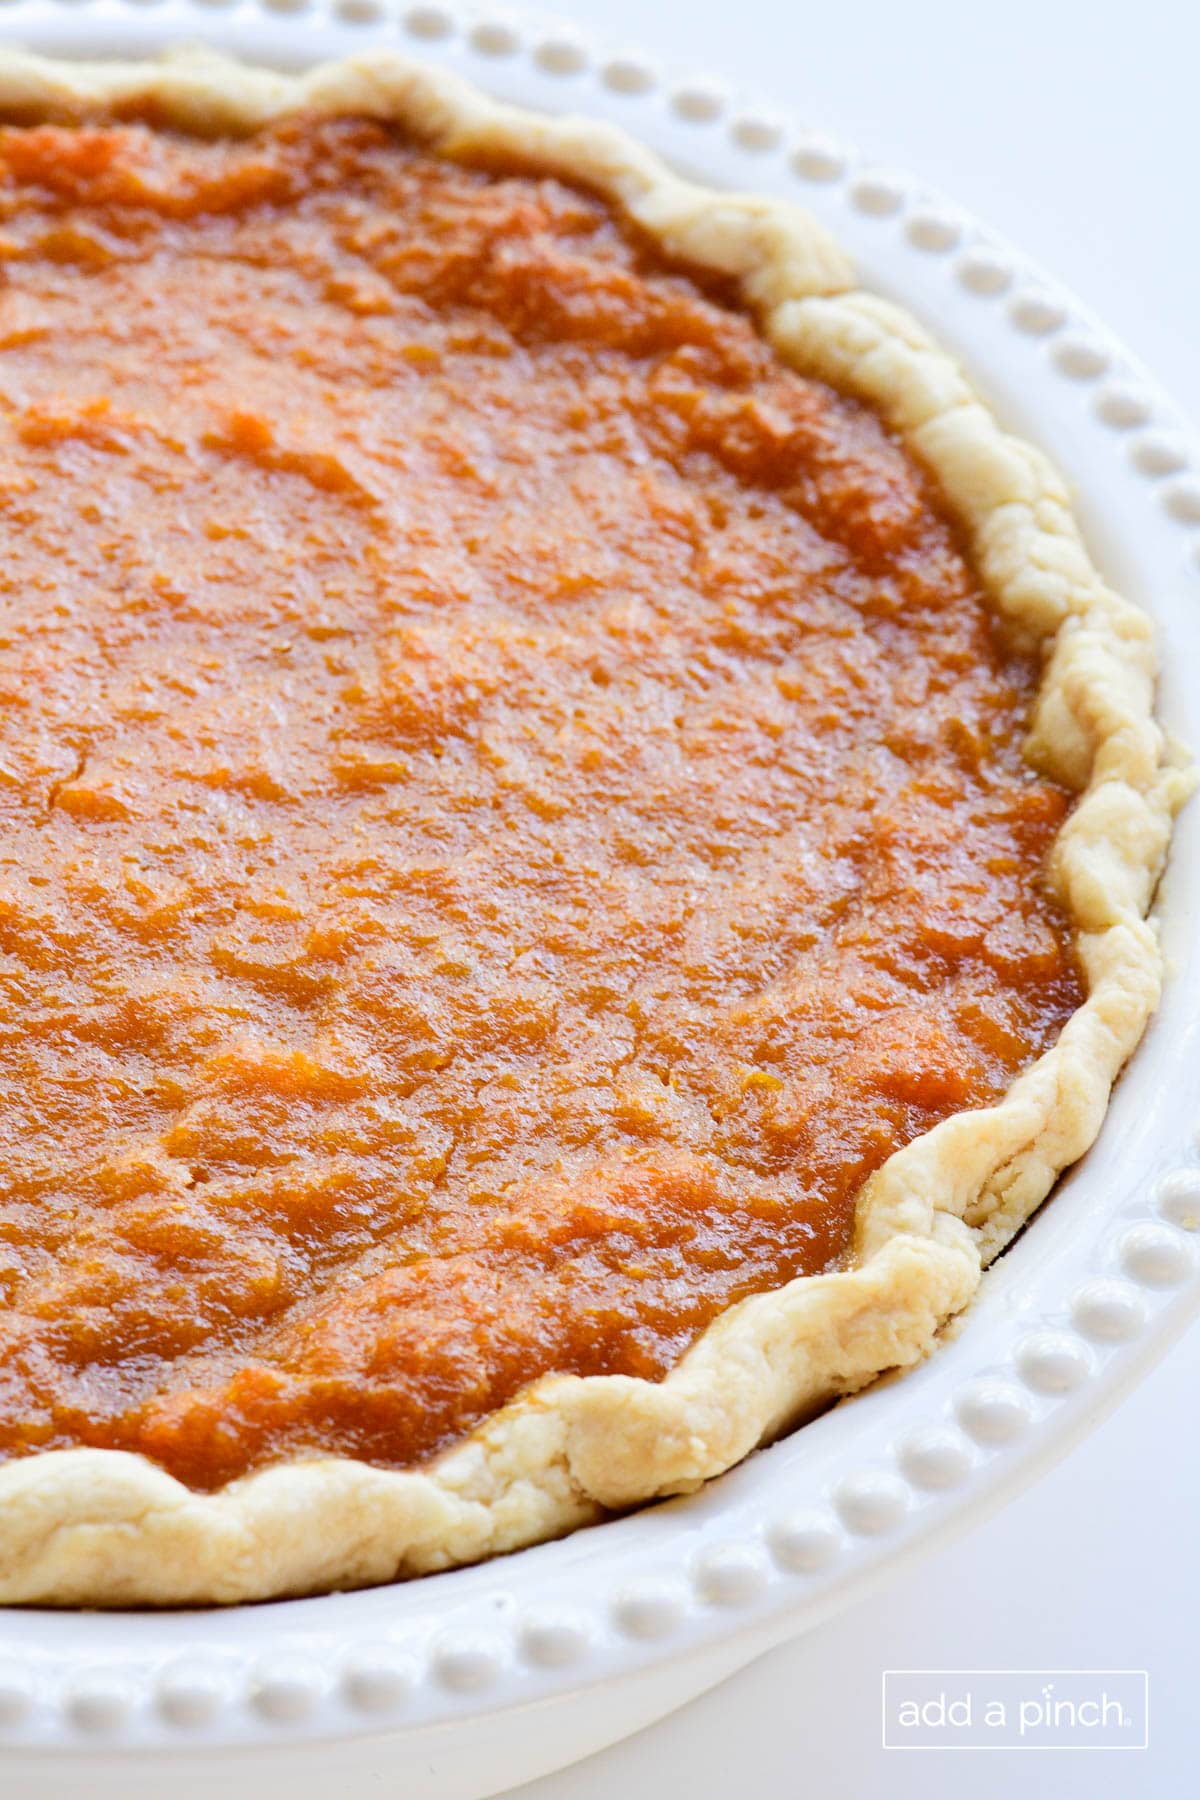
<point x="513" y="802"/>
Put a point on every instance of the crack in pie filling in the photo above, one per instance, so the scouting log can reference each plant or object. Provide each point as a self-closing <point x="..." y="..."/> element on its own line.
<point x="535" y="812"/>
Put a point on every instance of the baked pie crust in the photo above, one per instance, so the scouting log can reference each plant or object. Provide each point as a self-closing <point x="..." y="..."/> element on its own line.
<point x="105" y="1527"/>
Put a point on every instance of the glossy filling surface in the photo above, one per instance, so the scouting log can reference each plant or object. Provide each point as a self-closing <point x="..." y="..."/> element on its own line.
<point x="512" y="802"/>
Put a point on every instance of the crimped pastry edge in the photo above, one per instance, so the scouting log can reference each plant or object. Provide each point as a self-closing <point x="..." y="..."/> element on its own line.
<point x="109" y="1528"/>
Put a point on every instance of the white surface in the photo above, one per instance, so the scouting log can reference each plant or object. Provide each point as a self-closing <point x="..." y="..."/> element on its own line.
<point x="800" y="1721"/>
<point x="1098" y="1565"/>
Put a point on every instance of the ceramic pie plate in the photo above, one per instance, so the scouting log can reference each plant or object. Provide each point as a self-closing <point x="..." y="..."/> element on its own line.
<point x="466" y="1683"/>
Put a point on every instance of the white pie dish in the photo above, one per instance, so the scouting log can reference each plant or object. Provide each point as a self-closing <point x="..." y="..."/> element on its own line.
<point x="693" y="1588"/>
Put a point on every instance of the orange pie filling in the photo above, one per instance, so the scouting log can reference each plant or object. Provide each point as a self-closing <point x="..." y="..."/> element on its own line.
<point x="513" y="803"/>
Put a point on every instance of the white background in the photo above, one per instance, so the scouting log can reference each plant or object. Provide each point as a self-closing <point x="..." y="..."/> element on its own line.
<point x="1075" y="130"/>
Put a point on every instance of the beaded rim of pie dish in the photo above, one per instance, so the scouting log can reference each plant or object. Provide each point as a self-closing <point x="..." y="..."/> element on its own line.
<point x="102" y="1527"/>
